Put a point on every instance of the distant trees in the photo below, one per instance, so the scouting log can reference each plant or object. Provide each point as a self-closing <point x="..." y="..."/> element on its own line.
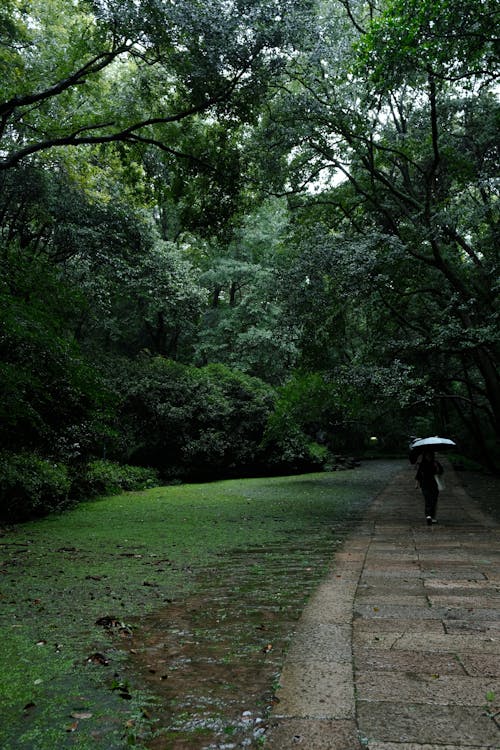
<point x="243" y="234"/>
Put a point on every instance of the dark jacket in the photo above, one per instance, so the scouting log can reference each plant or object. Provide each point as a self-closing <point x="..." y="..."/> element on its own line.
<point x="426" y="472"/>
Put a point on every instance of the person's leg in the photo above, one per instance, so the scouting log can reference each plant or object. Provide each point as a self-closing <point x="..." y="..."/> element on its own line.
<point x="433" y="506"/>
<point x="428" y="505"/>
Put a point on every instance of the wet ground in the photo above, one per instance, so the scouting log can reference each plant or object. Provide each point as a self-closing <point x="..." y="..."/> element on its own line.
<point x="403" y="633"/>
<point x="212" y="660"/>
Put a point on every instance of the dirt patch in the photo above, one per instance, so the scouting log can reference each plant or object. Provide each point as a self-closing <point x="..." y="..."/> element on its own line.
<point x="212" y="660"/>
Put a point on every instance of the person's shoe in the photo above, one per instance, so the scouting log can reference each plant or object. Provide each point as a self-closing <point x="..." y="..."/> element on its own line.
<point x="429" y="520"/>
<point x="433" y="520"/>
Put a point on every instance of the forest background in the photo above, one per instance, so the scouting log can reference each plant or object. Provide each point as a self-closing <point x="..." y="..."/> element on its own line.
<point x="241" y="237"/>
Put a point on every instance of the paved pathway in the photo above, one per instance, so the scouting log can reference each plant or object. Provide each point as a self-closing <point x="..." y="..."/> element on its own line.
<point x="399" y="647"/>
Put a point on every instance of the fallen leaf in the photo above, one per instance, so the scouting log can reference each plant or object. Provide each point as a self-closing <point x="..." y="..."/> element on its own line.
<point x="98" y="659"/>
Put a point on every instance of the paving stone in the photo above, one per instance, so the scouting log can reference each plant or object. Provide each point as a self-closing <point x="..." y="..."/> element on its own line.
<point x="406" y="572"/>
<point x="320" y="642"/>
<point x="431" y="689"/>
<point x="456" y="573"/>
<point x="329" y="607"/>
<point x="316" y="690"/>
<point x="399" y="612"/>
<point x="484" y="587"/>
<point x="399" y="585"/>
<point x="400" y="626"/>
<point x="413" y="746"/>
<point x="304" y="734"/>
<point x="447" y="643"/>
<point x="417" y="661"/>
<point x="481" y="664"/>
<point x="356" y="556"/>
<point x="469" y="613"/>
<point x="406" y="600"/>
<point x="472" y="602"/>
<point x="427" y="724"/>
<point x="473" y="625"/>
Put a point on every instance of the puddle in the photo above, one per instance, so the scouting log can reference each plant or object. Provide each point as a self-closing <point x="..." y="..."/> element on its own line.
<point x="213" y="659"/>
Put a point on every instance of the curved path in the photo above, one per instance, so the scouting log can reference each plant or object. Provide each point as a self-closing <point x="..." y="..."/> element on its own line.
<point x="399" y="647"/>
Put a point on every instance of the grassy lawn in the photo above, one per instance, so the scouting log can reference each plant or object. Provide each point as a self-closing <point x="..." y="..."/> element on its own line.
<point x="128" y="557"/>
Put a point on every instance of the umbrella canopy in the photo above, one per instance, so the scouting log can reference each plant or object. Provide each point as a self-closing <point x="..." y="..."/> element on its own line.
<point x="434" y="443"/>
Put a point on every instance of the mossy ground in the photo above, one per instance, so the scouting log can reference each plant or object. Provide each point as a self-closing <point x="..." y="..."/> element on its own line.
<point x="132" y="555"/>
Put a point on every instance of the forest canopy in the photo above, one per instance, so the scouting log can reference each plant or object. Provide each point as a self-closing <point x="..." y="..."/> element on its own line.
<point x="242" y="237"/>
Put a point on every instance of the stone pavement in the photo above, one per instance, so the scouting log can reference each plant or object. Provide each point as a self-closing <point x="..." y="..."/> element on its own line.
<point x="399" y="647"/>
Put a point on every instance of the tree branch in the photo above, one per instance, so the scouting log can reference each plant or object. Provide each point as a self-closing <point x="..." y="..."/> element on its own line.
<point x="99" y="62"/>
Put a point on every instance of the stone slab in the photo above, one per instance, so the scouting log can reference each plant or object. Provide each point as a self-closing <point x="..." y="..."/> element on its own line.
<point x="455" y="573"/>
<point x="399" y="612"/>
<point x="401" y="599"/>
<point x="448" y="643"/>
<point x="403" y="585"/>
<point x="442" y="585"/>
<point x="400" y="626"/>
<point x="481" y="664"/>
<point x="304" y="734"/>
<point x="322" y="691"/>
<point x="471" y="601"/>
<point x="473" y="626"/>
<point x="421" y="724"/>
<point x="321" y="642"/>
<point x="413" y="746"/>
<point x="395" y="573"/>
<point x="416" y="661"/>
<point x="431" y="689"/>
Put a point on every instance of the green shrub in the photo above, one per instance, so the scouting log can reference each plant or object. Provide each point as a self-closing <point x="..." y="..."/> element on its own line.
<point x="31" y="486"/>
<point x="190" y="422"/>
<point x="109" y="478"/>
<point x="319" y="453"/>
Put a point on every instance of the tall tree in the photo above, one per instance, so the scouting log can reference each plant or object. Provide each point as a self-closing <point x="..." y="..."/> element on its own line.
<point x="389" y="121"/>
<point x="97" y="71"/>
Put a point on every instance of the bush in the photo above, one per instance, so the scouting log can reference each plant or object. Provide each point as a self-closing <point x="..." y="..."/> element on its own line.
<point x="31" y="486"/>
<point x="189" y="422"/>
<point x="109" y="478"/>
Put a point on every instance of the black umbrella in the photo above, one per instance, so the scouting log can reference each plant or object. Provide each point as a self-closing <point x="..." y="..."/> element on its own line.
<point x="435" y="443"/>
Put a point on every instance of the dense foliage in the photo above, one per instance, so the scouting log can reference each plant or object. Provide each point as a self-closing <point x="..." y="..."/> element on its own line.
<point x="242" y="237"/>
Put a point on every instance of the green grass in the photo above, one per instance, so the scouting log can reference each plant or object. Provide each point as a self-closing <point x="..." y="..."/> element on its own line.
<point x="126" y="556"/>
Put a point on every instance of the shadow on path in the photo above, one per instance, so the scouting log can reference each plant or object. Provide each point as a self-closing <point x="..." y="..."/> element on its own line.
<point x="399" y="647"/>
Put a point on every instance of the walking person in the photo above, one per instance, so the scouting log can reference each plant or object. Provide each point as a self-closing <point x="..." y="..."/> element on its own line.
<point x="428" y="472"/>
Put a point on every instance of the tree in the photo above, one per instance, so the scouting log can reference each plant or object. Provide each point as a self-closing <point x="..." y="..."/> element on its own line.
<point x="244" y="325"/>
<point x="86" y="72"/>
<point x="396" y="143"/>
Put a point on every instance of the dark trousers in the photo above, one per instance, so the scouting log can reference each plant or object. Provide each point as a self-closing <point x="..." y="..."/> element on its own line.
<point x="431" y="498"/>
